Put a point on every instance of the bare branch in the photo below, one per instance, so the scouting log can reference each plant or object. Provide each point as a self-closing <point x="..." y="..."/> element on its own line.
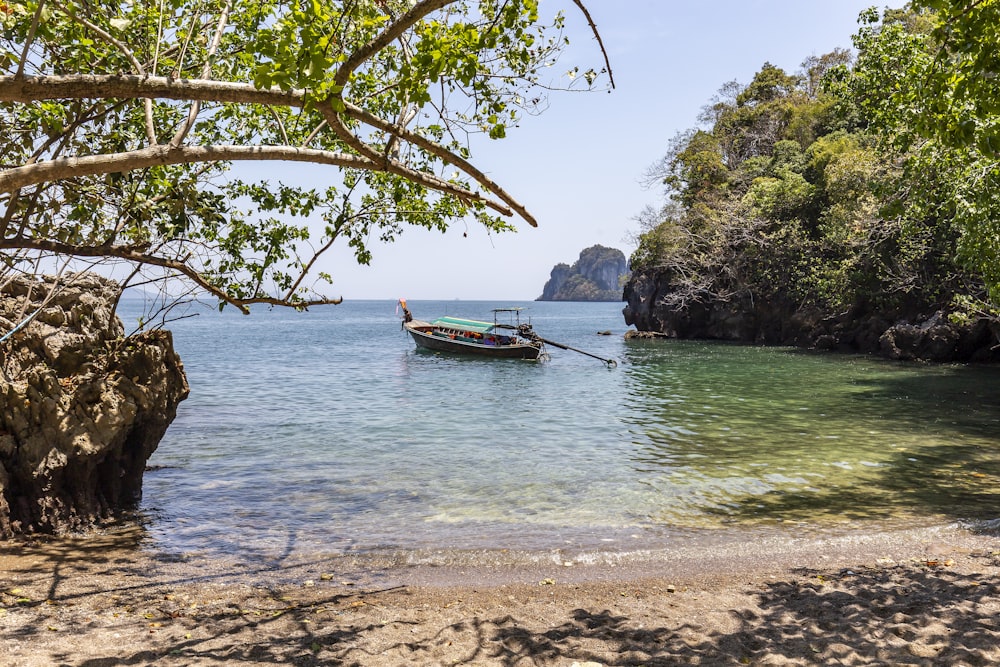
<point x="600" y="42"/>
<point x="281" y="127"/>
<point x="116" y="86"/>
<point x="384" y="163"/>
<point x="132" y="255"/>
<point x="312" y="135"/>
<point x="153" y="156"/>
<point x="449" y="157"/>
<point x="30" y="38"/>
<point x="391" y="33"/>
<point x="206" y="73"/>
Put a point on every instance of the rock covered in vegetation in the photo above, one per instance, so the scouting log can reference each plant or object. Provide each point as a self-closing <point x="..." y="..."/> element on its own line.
<point x="805" y="211"/>
<point x="82" y="408"/>
<point x="899" y="335"/>
<point x="596" y="276"/>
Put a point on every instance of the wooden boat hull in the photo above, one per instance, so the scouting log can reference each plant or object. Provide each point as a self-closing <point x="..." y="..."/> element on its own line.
<point x="429" y="341"/>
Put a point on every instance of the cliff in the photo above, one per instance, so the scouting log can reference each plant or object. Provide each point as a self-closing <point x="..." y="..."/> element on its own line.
<point x="82" y="407"/>
<point x="595" y="276"/>
<point x="901" y="334"/>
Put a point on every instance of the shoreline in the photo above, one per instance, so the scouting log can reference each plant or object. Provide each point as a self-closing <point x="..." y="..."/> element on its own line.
<point x="924" y="596"/>
<point x="747" y="549"/>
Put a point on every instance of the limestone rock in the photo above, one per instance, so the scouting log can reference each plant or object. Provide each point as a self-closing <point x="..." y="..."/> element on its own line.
<point x="909" y="335"/>
<point x="82" y="408"/>
<point x="595" y="276"/>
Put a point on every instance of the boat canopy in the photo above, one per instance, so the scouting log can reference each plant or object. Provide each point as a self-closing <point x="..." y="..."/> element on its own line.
<point x="465" y="325"/>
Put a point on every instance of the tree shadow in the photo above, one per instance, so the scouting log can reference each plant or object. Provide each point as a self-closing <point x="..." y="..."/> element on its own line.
<point x="76" y="584"/>
<point x="951" y="482"/>
<point x="919" y="613"/>
<point x="899" y="615"/>
<point x="955" y="477"/>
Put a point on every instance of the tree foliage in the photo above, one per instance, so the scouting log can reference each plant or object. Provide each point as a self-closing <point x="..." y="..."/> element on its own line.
<point x="849" y="185"/>
<point x="122" y="123"/>
<point x="960" y="100"/>
<point x="926" y="85"/>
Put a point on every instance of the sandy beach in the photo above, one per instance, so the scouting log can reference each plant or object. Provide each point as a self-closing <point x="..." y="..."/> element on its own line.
<point x="920" y="597"/>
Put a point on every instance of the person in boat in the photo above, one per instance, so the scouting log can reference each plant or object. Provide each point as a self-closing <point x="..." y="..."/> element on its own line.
<point x="407" y="317"/>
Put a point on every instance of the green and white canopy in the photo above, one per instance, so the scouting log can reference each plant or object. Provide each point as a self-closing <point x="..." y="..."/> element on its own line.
<point x="463" y="325"/>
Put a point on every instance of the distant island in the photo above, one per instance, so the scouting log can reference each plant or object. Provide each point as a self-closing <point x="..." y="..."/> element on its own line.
<point x="598" y="275"/>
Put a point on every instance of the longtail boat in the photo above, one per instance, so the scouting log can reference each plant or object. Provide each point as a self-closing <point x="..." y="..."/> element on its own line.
<point x="513" y="340"/>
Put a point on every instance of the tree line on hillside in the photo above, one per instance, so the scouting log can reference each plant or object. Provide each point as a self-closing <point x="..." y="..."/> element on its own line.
<point x="861" y="185"/>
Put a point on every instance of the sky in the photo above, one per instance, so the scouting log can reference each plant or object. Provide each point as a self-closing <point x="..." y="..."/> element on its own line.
<point x="579" y="166"/>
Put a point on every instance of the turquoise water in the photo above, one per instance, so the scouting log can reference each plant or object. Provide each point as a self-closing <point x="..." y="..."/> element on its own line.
<point x="328" y="432"/>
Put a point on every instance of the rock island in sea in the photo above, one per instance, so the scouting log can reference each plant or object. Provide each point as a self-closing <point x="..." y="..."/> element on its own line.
<point x="596" y="276"/>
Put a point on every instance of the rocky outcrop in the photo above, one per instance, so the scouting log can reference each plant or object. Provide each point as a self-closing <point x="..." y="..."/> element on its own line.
<point x="935" y="338"/>
<point x="777" y="321"/>
<point x="596" y="276"/>
<point x="82" y="407"/>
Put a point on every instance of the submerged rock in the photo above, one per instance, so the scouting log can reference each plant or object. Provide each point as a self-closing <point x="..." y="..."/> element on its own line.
<point x="633" y="334"/>
<point x="82" y="407"/>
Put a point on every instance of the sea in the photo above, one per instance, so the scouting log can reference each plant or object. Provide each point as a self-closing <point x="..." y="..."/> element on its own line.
<point x="328" y="432"/>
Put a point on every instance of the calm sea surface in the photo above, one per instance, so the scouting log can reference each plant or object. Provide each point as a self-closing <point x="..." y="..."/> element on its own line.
<point x="328" y="432"/>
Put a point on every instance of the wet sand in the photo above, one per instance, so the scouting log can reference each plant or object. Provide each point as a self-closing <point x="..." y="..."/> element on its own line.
<point x="928" y="596"/>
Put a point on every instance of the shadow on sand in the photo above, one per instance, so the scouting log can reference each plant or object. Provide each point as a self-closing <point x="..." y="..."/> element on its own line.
<point x="95" y="604"/>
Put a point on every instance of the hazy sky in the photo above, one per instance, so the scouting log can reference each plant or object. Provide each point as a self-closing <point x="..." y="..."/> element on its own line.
<point x="578" y="167"/>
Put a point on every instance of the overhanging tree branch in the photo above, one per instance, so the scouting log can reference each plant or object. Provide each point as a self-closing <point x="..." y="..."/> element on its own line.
<point x="370" y="87"/>
<point x="37" y="88"/>
<point x="123" y="86"/>
<point x="155" y="156"/>
<point x="130" y="254"/>
<point x="395" y="30"/>
<point x="449" y="157"/>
